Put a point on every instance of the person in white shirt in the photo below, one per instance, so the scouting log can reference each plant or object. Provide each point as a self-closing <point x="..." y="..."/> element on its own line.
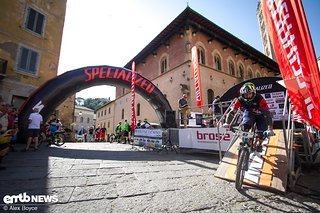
<point x="35" y="121"/>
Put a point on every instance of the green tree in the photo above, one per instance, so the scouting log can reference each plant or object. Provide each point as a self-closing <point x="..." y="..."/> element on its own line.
<point x="95" y="103"/>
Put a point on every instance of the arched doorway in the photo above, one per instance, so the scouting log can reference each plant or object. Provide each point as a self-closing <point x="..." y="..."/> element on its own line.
<point x="52" y="93"/>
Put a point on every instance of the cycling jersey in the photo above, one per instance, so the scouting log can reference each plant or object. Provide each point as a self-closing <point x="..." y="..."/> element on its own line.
<point x="256" y="104"/>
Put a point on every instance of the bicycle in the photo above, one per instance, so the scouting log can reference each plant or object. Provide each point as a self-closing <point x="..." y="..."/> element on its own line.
<point x="57" y="138"/>
<point x="246" y="147"/>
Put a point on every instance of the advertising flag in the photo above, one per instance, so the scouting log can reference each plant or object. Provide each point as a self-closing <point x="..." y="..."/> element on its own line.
<point x="133" y="95"/>
<point x="196" y="75"/>
<point x="289" y="33"/>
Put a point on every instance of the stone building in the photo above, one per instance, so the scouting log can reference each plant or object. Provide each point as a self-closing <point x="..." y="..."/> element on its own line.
<point x="83" y="117"/>
<point x="105" y="117"/>
<point x="224" y="61"/>
<point x="30" y="41"/>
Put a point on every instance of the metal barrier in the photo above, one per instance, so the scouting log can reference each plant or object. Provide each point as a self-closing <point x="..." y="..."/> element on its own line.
<point x="292" y="136"/>
<point x="218" y="123"/>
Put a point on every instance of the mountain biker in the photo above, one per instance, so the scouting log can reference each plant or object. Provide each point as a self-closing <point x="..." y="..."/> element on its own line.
<point x="54" y="125"/>
<point x="255" y="111"/>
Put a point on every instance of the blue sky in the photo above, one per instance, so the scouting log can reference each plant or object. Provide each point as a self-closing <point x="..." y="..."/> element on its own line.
<point x="111" y="32"/>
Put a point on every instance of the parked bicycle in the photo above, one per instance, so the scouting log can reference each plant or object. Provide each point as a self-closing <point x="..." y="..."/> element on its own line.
<point x="247" y="146"/>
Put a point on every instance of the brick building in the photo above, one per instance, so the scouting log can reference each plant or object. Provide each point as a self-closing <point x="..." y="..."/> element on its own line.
<point x="224" y="61"/>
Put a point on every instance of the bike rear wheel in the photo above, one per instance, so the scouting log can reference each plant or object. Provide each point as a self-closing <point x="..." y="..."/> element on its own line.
<point x="59" y="139"/>
<point x="241" y="167"/>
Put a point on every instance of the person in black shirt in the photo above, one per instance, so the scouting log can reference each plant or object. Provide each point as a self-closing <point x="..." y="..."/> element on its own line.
<point x="216" y="109"/>
<point x="184" y="109"/>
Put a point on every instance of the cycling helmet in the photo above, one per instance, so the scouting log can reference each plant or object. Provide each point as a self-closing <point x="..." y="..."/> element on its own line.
<point x="247" y="88"/>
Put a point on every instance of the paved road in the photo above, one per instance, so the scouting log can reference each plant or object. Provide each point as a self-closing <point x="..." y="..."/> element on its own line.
<point x="104" y="177"/>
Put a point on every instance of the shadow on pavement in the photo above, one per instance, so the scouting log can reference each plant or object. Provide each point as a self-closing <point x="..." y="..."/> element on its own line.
<point x="29" y="172"/>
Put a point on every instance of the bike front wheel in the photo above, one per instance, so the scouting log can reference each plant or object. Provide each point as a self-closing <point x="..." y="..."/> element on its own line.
<point x="241" y="167"/>
<point x="59" y="139"/>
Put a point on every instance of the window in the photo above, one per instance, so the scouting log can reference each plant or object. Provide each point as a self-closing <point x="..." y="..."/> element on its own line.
<point x="241" y="71"/>
<point x="105" y="112"/>
<point x="35" y="21"/>
<point x="18" y="101"/>
<point x="201" y="55"/>
<point x="108" y="124"/>
<point x="217" y="62"/>
<point x="3" y="66"/>
<point x="164" y="65"/>
<point x="138" y="109"/>
<point x="250" y="73"/>
<point x="28" y="60"/>
<point x="210" y="94"/>
<point x="109" y="110"/>
<point x="88" y="120"/>
<point x="231" y="68"/>
<point x="81" y="120"/>
<point x="122" y="114"/>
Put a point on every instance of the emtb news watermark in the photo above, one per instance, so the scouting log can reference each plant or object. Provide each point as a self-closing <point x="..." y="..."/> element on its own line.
<point x="24" y="199"/>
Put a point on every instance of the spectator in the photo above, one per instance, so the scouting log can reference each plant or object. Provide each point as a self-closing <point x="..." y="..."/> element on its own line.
<point x="97" y="133"/>
<point x="5" y="138"/>
<point x="103" y="134"/>
<point x="119" y="132"/>
<point x="146" y="124"/>
<point x="12" y="115"/>
<point x="126" y="130"/>
<point x="15" y="130"/>
<point x="81" y="134"/>
<point x="216" y="105"/>
<point x="4" y="114"/>
<point x="35" y="120"/>
<point x="138" y="125"/>
<point x="85" y="136"/>
<point x="184" y="109"/>
<point x="90" y="134"/>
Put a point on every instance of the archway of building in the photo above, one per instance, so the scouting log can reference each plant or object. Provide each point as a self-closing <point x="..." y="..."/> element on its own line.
<point x="53" y="92"/>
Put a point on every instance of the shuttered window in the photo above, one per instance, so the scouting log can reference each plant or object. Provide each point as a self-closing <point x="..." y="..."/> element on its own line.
<point x="28" y="60"/>
<point x="35" y="21"/>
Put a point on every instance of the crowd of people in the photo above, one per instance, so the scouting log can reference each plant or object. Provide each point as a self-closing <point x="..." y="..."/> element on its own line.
<point x="8" y="129"/>
<point x="91" y="134"/>
<point x="249" y="100"/>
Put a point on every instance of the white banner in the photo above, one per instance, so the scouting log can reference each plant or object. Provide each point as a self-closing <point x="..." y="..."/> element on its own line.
<point x="148" y="137"/>
<point x="204" y="138"/>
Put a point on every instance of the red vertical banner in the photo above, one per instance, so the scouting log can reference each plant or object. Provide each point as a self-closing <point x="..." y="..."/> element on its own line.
<point x="289" y="33"/>
<point x="133" y="95"/>
<point x="196" y="75"/>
